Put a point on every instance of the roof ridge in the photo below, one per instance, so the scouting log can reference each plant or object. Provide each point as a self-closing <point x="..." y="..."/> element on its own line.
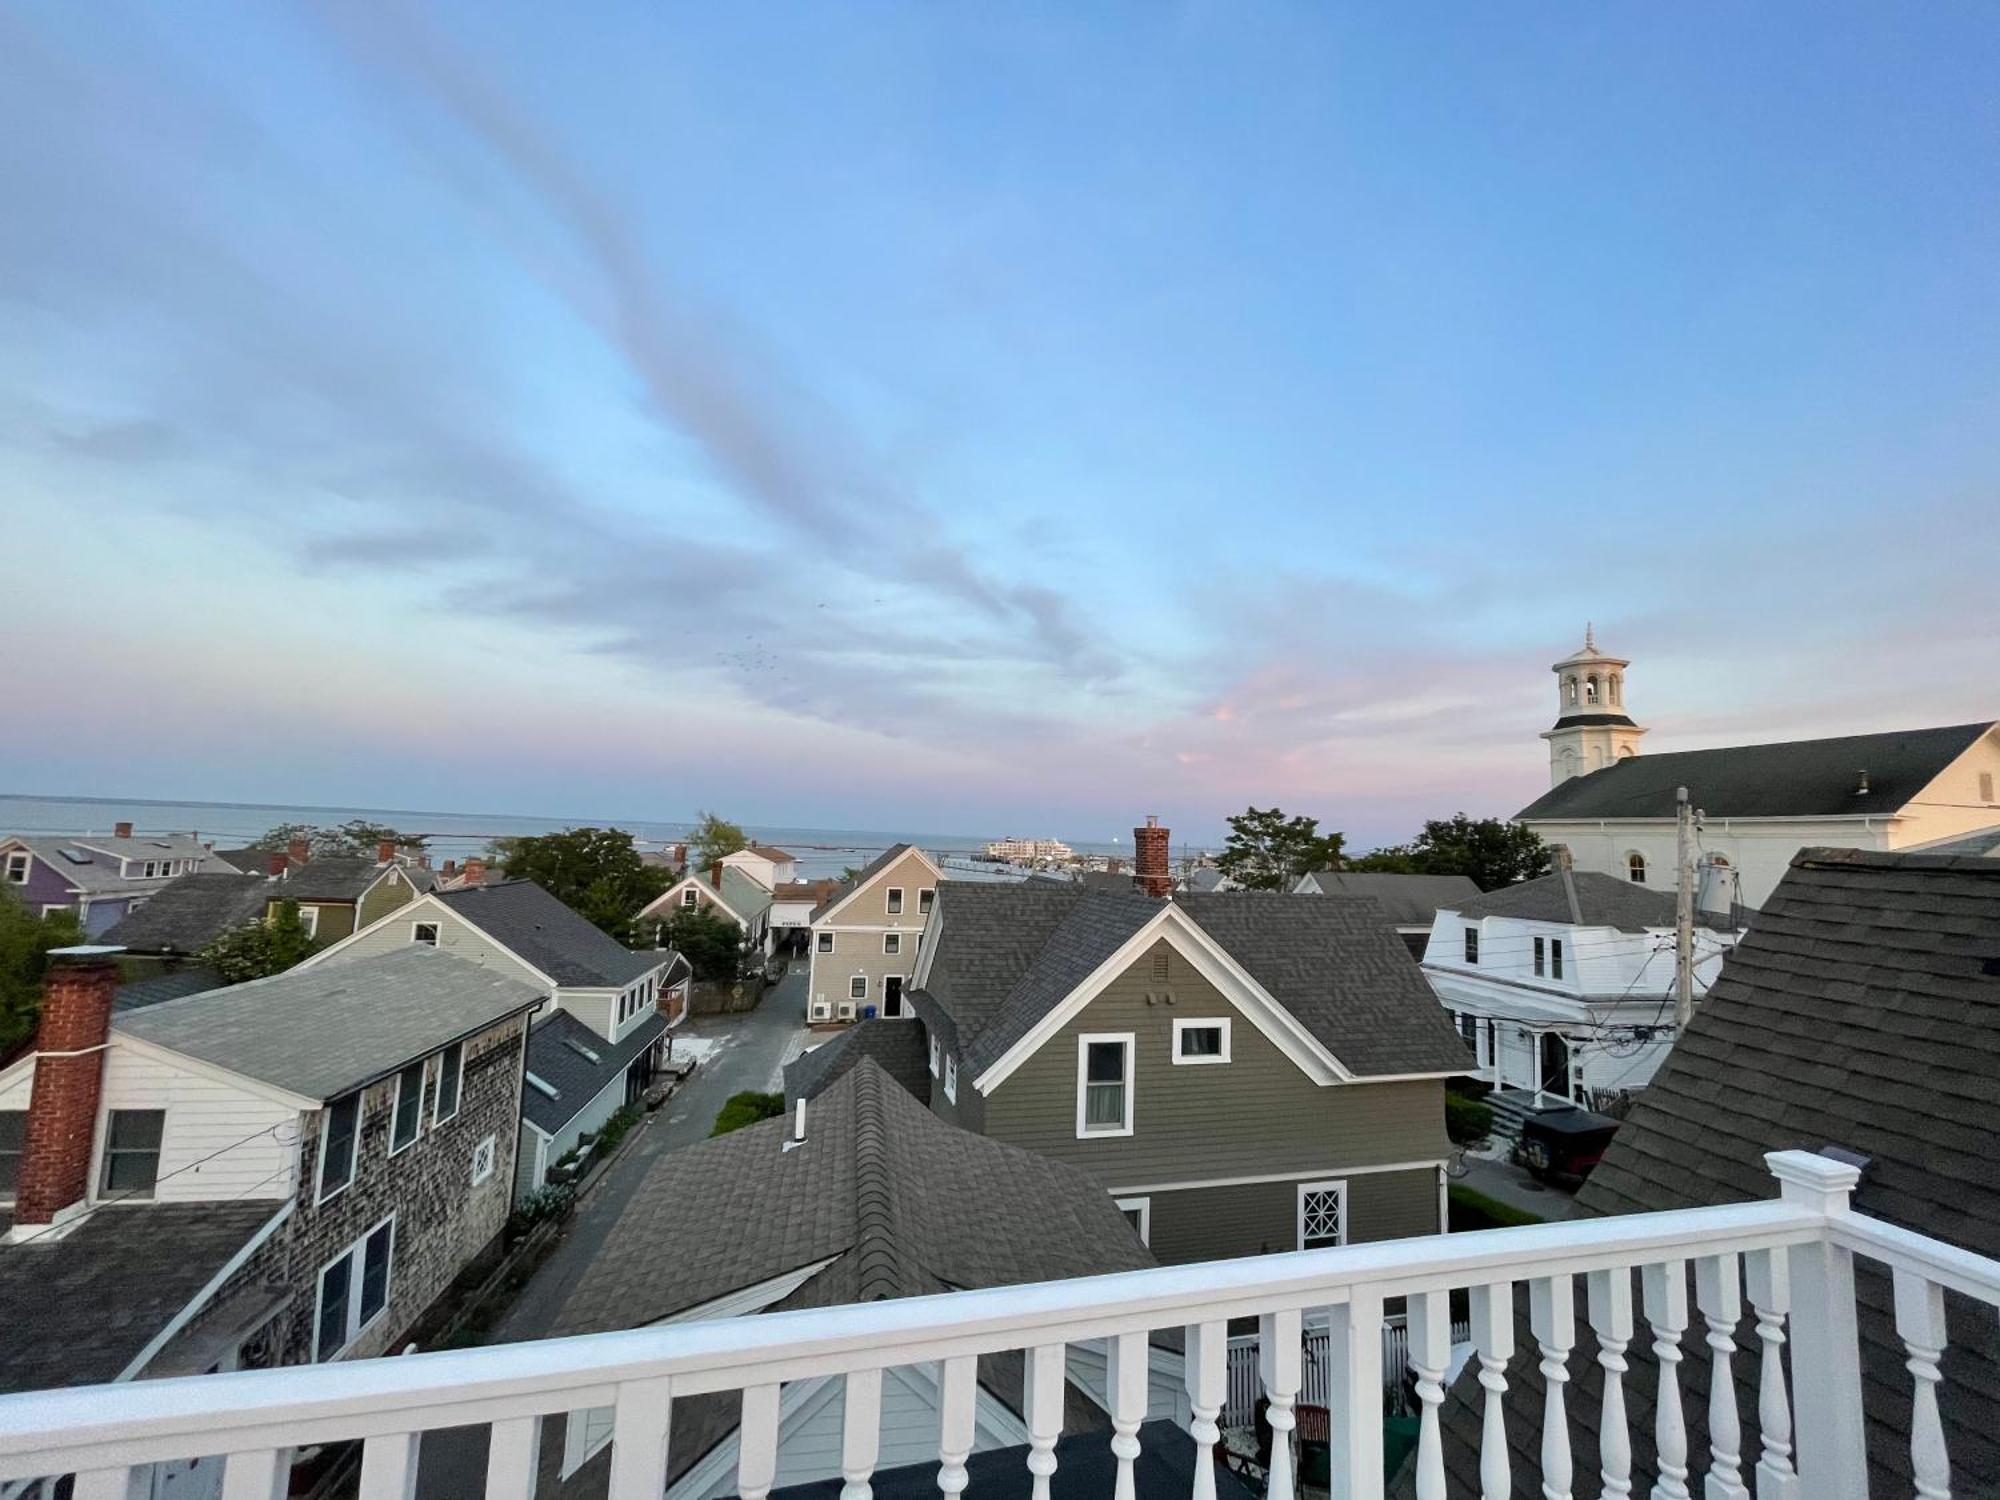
<point x="879" y="1268"/>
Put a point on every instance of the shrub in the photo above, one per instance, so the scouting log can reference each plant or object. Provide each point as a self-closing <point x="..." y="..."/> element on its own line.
<point x="551" y="1202"/>
<point x="1472" y="1209"/>
<point x="747" y="1108"/>
<point x="615" y="1129"/>
<point x="1467" y="1121"/>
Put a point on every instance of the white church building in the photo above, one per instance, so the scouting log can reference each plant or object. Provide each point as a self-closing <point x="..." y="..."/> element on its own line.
<point x="1613" y="808"/>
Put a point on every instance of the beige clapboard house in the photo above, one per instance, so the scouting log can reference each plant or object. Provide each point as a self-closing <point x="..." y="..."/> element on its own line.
<point x="867" y="936"/>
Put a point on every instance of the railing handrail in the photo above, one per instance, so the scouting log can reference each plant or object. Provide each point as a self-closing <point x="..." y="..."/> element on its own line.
<point x="56" y="1431"/>
<point x="1949" y="1266"/>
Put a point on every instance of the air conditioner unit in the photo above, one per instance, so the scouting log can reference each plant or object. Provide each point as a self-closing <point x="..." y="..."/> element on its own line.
<point x="847" y="1010"/>
<point x="820" y="1011"/>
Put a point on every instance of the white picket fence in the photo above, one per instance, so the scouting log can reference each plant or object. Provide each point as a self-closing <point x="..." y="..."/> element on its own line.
<point x="1241" y="1407"/>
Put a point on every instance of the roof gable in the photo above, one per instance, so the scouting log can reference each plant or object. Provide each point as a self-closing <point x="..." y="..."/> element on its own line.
<point x="875" y="869"/>
<point x="541" y="931"/>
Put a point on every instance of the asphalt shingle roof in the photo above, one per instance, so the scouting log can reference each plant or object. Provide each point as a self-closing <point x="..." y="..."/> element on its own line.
<point x="1601" y="901"/>
<point x="80" y="1308"/>
<point x="1798" y="779"/>
<point x="555" y="1058"/>
<point x="321" y="1031"/>
<point x="195" y="979"/>
<point x="1409" y="900"/>
<point x="896" y="1046"/>
<point x="188" y="913"/>
<point x="331" y="877"/>
<point x="1861" y="1011"/>
<point x="90" y="863"/>
<point x="535" y="926"/>
<point x="1004" y="956"/>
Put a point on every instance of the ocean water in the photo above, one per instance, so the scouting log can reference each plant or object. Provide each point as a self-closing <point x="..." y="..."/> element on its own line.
<point x="821" y="851"/>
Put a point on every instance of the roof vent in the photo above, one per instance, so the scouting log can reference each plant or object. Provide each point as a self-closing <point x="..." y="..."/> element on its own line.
<point x="544" y="1085"/>
<point x="1861" y="790"/>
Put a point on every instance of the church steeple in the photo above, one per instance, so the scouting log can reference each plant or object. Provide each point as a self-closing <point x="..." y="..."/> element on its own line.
<point x="1592" y="729"/>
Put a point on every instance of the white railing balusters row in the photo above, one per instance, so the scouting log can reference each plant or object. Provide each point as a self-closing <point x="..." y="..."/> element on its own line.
<point x="1127" y="1377"/>
<point x="1552" y="1316"/>
<point x="1430" y="1353"/>
<point x="1920" y="1325"/>
<point x="958" y="1397"/>
<point x="1044" y="1411"/>
<point x="1207" y="1375"/>
<point x="1610" y="1300"/>
<point x="756" y="1443"/>
<point x="1280" y="1361"/>
<point x="513" y="1451"/>
<point x="1719" y="1294"/>
<point x="860" y="1433"/>
<point x="640" y="1419"/>
<point x="1493" y="1342"/>
<point x="1768" y="1273"/>
<point x="1666" y="1293"/>
<point x="1354" y="1393"/>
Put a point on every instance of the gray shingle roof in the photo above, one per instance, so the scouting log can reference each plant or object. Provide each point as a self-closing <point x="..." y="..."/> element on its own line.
<point x="177" y="985"/>
<point x="1408" y="900"/>
<point x="1799" y="779"/>
<point x="186" y="914"/>
<point x="1862" y="1011"/>
<point x="902" y="1202"/>
<point x="896" y="1046"/>
<point x="322" y="1031"/>
<point x="80" y="1308"/>
<point x="745" y="895"/>
<point x="535" y="926"/>
<point x="1601" y="901"/>
<point x="1003" y="956"/>
<point x="555" y="1058"/>
<point x="90" y="863"/>
<point x="332" y="877"/>
<point x="1983" y="843"/>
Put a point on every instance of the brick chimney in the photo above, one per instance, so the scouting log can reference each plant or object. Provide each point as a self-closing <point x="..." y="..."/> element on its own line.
<point x="276" y="865"/>
<point x="299" y="852"/>
<point x="715" y="874"/>
<point x="450" y="869"/>
<point x="385" y="852"/>
<point x="69" y="1072"/>
<point x="121" y="830"/>
<point x="1150" y="862"/>
<point x="475" y="871"/>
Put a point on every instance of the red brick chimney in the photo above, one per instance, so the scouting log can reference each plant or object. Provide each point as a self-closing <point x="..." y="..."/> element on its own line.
<point x="69" y="1072"/>
<point x="277" y="864"/>
<point x="715" y="874"/>
<point x="299" y="851"/>
<point x="1151" y="865"/>
<point x="121" y="830"/>
<point x="475" y="871"/>
<point x="385" y="851"/>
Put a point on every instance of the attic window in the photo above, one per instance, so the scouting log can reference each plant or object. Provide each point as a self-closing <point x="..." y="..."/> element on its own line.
<point x="17" y="867"/>
<point x="424" y="932"/>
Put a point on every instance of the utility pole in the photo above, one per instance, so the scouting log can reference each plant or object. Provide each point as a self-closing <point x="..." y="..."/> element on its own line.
<point x="1683" y="911"/>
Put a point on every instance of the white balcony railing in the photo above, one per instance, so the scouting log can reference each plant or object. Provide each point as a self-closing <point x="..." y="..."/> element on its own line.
<point x="1790" y="1259"/>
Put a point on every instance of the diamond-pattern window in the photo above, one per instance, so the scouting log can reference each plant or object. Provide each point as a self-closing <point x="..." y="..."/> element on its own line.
<point x="1319" y="1218"/>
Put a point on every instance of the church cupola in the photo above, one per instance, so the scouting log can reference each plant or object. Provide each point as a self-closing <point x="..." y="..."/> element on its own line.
<point x="1592" y="729"/>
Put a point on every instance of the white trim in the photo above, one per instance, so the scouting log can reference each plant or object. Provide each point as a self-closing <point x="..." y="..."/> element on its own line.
<point x="396" y="1106"/>
<point x="457" y="1094"/>
<point x="1084" y="1042"/>
<point x="27" y="861"/>
<point x="200" y="1299"/>
<point x="1215" y="1182"/>
<point x="823" y="941"/>
<point x="897" y="939"/>
<point x="201" y="1068"/>
<point x="437" y="932"/>
<point x="357" y="1251"/>
<point x="490" y="1150"/>
<point x="951" y="1078"/>
<point x="1144" y="1208"/>
<point x="1323" y="1185"/>
<point x="408" y="912"/>
<point x="308" y="919"/>
<point x="701" y="888"/>
<point x="854" y="998"/>
<point x="1200" y="1023"/>
<point x="937" y="875"/>
<point x="894" y="899"/>
<point x="932" y="1037"/>
<point x="1214" y="965"/>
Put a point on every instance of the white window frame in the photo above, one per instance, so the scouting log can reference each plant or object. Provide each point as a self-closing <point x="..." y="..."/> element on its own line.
<point x="892" y="945"/>
<point x="321" y="1191"/>
<point x="934" y="1054"/>
<point x="484" y="1155"/>
<point x="926" y="899"/>
<point x="1144" y="1208"/>
<point x="309" y="919"/>
<point x="854" y="996"/>
<point x="1183" y="1024"/>
<point x="951" y="1078"/>
<point x="690" y="899"/>
<point x="22" y="861"/>
<point x="437" y="931"/>
<point x="823" y="942"/>
<point x="892" y="901"/>
<point x="457" y="1094"/>
<point x="396" y="1110"/>
<point x="1322" y="1185"/>
<point x="357" y="1252"/>
<point x="1130" y="1042"/>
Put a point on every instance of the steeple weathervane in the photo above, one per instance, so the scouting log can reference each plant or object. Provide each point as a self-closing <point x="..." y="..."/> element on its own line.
<point x="1589" y="639"/>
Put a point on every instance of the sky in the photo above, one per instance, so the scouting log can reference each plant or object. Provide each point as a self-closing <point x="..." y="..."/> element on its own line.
<point x="958" y="416"/>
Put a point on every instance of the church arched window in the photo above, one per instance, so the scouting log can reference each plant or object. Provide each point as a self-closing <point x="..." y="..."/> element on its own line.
<point x="1635" y="867"/>
<point x="1569" y="691"/>
<point x="1590" y="690"/>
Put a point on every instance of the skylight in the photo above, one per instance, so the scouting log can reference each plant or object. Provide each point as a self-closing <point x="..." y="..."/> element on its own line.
<point x="582" y="1051"/>
<point x="544" y="1085"/>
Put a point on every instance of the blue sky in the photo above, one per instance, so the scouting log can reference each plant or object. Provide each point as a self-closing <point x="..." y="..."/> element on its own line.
<point x="966" y="416"/>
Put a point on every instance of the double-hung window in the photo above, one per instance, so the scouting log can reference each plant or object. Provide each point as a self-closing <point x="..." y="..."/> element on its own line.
<point x="892" y="943"/>
<point x="132" y="1152"/>
<point x="409" y="1116"/>
<point x="689" y="897"/>
<point x="1555" y="958"/>
<point x="1472" y="945"/>
<point x="14" y="1136"/>
<point x="825" y="941"/>
<point x="353" y="1291"/>
<point x="451" y="1083"/>
<point x="340" y="1130"/>
<point x="17" y="867"/>
<point x="857" y="987"/>
<point x="1104" y="1084"/>
<point x="927" y="897"/>
<point x="895" y="897"/>
<point x="1541" y="956"/>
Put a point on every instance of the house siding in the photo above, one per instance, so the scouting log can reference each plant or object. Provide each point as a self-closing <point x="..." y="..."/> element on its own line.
<point x="1261" y="1217"/>
<point x="385" y="896"/>
<point x="1254" y="1116"/>
<point x="45" y="887"/>
<point x="218" y="1140"/>
<point x="454" y="937"/>
<point x="857" y="930"/>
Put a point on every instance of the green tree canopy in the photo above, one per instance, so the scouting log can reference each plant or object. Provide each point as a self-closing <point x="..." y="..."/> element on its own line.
<point x="594" y="871"/>
<point x="747" y="1108"/>
<point x="1267" y="851"/>
<point x="1493" y="852"/>
<point x="712" y="839"/>
<point x="261" y="949"/>
<point x="355" y="836"/>
<point x="709" y="941"/>
<point x="25" y="942"/>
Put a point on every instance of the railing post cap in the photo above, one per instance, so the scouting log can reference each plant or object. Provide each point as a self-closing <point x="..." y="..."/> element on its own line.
<point x="1807" y="1177"/>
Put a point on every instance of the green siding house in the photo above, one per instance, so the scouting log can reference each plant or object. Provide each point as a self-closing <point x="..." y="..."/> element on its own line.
<point x="1243" y="1072"/>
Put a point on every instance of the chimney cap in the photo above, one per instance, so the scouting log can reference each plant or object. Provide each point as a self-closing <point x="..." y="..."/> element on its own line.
<point x="88" y="950"/>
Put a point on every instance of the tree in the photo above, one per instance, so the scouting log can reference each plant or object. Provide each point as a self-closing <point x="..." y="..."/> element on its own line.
<point x="1267" y="851"/>
<point x="713" y="839"/>
<point x="355" y="836"/>
<point x="709" y="941"/>
<point x="747" y="1108"/>
<point x="1491" y="851"/>
<point x="25" y="941"/>
<point x="594" y="871"/>
<point x="261" y="949"/>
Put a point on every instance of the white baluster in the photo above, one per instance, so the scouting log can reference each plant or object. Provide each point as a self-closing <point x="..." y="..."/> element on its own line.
<point x="1611" y="1320"/>
<point x="389" y="1467"/>
<point x="1830" y="1449"/>
<point x="1430" y="1356"/>
<point x="640" y="1419"/>
<point x="1354" y="1392"/>
<point x="512" y="1455"/>
<point x="1207" y="1364"/>
<point x="1768" y="1273"/>
<point x="860" y="1433"/>
<point x="1493" y="1341"/>
<point x="101" y="1484"/>
<point x="757" y="1442"/>
<point x="958" y="1389"/>
<point x="1044" y="1411"/>
<point x="1280" y="1361"/>
<point x="1666" y="1293"/>
<point x="260" y="1474"/>
<point x="1127" y="1381"/>
<point x="1920" y="1325"/>
<point x="1719" y="1295"/>
<point x="1552" y="1315"/>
